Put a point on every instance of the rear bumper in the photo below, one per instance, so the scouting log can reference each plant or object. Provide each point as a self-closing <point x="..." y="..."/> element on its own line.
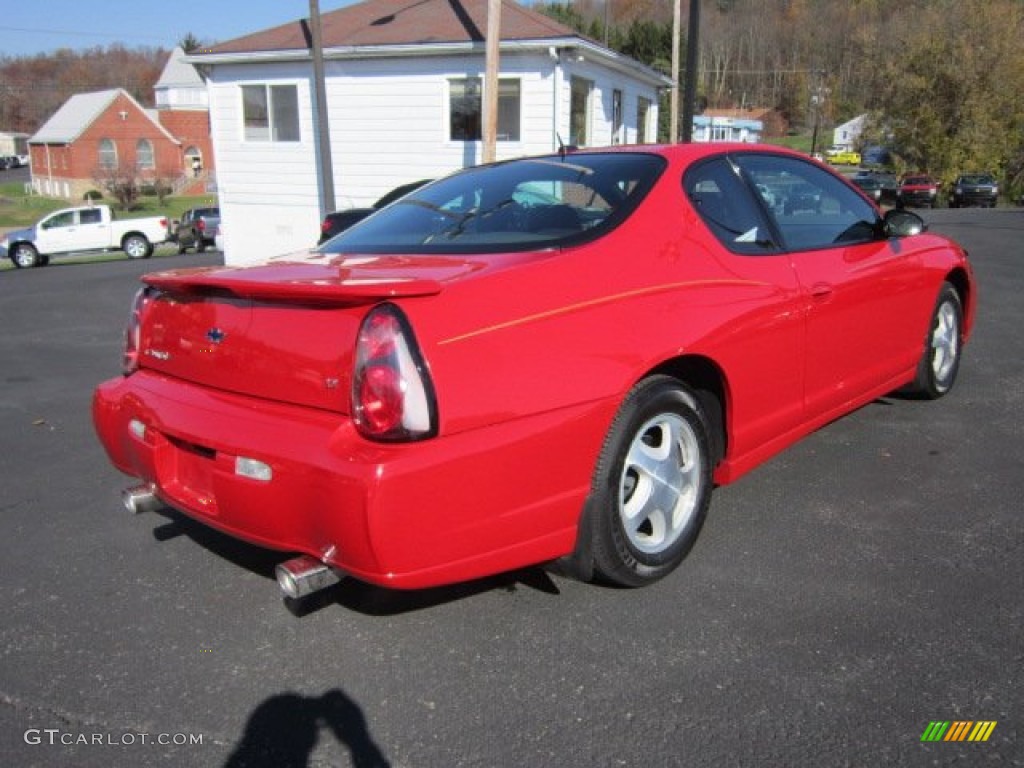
<point x="916" y="197"/>
<point x="406" y="516"/>
<point x="974" y="198"/>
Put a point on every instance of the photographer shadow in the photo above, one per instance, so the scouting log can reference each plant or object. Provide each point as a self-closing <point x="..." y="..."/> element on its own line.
<point x="284" y="730"/>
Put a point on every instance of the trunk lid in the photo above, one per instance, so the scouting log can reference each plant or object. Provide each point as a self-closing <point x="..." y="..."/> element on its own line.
<point x="284" y="331"/>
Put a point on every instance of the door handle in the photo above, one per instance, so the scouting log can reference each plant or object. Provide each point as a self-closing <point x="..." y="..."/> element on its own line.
<point x="821" y="291"/>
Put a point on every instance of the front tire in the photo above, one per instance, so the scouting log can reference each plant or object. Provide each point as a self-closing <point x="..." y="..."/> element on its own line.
<point x="936" y="372"/>
<point x="652" y="484"/>
<point x="25" y="256"/>
<point x="137" y="247"/>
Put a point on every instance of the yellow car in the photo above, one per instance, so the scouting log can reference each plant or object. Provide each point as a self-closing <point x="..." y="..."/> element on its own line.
<point x="843" y="157"/>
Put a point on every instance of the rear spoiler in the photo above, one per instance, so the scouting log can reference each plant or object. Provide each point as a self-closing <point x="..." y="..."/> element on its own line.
<point x="303" y="284"/>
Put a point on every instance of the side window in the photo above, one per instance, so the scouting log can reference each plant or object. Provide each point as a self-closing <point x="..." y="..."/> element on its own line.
<point x="62" y="219"/>
<point x="270" y="113"/>
<point x="723" y="201"/>
<point x="90" y="216"/>
<point x="812" y="208"/>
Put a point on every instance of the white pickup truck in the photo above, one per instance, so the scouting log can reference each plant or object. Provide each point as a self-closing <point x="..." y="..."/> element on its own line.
<point x="74" y="230"/>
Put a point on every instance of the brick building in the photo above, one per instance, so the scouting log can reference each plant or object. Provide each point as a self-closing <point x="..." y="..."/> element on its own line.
<point x="106" y="135"/>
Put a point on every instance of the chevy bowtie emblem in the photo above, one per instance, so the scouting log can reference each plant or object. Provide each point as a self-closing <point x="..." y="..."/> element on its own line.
<point x="215" y="335"/>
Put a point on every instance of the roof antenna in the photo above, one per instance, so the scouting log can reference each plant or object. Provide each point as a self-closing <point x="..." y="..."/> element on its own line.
<point x="563" y="148"/>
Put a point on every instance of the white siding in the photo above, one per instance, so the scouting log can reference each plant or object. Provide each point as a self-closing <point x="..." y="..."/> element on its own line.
<point x="267" y="190"/>
<point x="388" y="122"/>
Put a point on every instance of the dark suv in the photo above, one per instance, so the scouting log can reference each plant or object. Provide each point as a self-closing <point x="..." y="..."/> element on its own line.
<point x="339" y="221"/>
<point x="974" y="189"/>
<point x="197" y="228"/>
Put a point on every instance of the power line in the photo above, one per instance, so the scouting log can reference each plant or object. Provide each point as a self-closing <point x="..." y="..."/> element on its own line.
<point x="79" y="33"/>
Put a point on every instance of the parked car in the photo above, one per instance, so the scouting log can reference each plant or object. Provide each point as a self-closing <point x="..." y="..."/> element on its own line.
<point x="978" y="189"/>
<point x="874" y="154"/>
<point x="339" y="221"/>
<point x="543" y="358"/>
<point x="196" y="229"/>
<point x="880" y="186"/>
<point x="918" y="190"/>
<point x="842" y="156"/>
<point x="80" y="230"/>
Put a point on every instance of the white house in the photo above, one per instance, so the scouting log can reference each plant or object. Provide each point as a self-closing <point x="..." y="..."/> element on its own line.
<point x="404" y="88"/>
<point x="718" y="128"/>
<point x="846" y="135"/>
<point x="13" y="143"/>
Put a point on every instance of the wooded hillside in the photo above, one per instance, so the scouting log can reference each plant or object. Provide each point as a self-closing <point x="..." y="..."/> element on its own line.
<point x="32" y="88"/>
<point x="941" y="79"/>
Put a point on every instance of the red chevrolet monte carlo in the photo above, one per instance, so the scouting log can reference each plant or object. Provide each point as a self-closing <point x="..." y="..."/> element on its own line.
<point x="554" y="357"/>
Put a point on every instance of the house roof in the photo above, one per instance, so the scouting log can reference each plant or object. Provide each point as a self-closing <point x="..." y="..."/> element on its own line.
<point x="416" y="28"/>
<point x="74" y="116"/>
<point x="402" y="22"/>
<point x="79" y="112"/>
<point x="178" y="73"/>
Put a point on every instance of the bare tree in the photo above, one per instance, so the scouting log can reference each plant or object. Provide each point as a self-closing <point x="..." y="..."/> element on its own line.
<point x="121" y="182"/>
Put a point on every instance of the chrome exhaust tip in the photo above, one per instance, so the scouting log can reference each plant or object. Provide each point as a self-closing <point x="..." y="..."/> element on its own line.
<point x="140" y="498"/>
<point x="305" y="575"/>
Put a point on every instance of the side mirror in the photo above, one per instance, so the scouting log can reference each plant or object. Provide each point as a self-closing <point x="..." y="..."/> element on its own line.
<point x="900" y="222"/>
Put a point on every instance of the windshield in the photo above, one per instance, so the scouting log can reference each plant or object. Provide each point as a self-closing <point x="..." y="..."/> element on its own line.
<point x="540" y="202"/>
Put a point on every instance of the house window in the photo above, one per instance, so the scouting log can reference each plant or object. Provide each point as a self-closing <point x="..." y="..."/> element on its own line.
<point x="270" y="112"/>
<point x="465" y="109"/>
<point x="579" y="111"/>
<point x="108" y="154"/>
<point x="643" y="120"/>
<point x="144" y="154"/>
<point x="508" y="110"/>
<point x="616" y="116"/>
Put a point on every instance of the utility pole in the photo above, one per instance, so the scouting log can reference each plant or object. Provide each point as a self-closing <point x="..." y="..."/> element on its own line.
<point x="690" y="96"/>
<point x="323" y="134"/>
<point x="673" y="129"/>
<point x="818" y="94"/>
<point x="491" y="55"/>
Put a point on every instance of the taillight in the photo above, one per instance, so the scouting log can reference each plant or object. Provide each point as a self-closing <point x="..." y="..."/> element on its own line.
<point x="133" y="330"/>
<point x="201" y="225"/>
<point x="392" y="394"/>
<point x="325" y="226"/>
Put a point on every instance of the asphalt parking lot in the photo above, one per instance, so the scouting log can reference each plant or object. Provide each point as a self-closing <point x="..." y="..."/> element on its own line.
<point x="864" y="583"/>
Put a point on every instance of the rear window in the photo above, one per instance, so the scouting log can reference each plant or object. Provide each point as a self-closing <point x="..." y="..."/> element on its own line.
<point x="524" y="204"/>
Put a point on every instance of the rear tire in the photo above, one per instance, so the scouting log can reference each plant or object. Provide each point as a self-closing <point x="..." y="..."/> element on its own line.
<point x="137" y="247"/>
<point x="936" y="372"/>
<point x="652" y="484"/>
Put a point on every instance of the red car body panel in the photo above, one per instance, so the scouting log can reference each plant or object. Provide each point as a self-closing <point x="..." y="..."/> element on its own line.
<point x="530" y="354"/>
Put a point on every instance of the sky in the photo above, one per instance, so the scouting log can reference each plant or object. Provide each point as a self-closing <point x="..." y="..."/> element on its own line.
<point x="29" y="27"/>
